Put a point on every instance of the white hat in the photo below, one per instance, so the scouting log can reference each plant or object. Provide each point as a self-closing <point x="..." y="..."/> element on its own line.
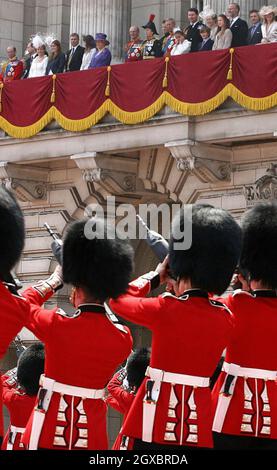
<point x="268" y="10"/>
<point x="207" y="12"/>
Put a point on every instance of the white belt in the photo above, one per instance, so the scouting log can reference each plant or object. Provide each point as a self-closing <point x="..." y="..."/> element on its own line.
<point x="89" y="393"/>
<point x="225" y="401"/>
<point x="51" y="386"/>
<point x="16" y="430"/>
<point x="158" y="377"/>
<point x="177" y="379"/>
<point x="237" y="371"/>
<point x="13" y="432"/>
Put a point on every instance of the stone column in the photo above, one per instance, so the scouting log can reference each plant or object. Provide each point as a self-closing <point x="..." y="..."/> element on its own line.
<point x="11" y="26"/>
<point x="220" y="6"/>
<point x="58" y="20"/>
<point x="111" y="17"/>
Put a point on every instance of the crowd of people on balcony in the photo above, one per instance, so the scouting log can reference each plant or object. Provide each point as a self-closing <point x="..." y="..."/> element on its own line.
<point x="206" y="31"/>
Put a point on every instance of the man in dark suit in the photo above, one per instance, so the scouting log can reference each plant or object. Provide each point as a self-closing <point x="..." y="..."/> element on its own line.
<point x="193" y="30"/>
<point x="32" y="54"/>
<point x="255" y="31"/>
<point x="74" y="56"/>
<point x="207" y="43"/>
<point x="238" y="26"/>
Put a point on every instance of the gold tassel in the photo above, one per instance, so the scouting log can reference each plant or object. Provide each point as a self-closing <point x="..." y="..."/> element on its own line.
<point x="165" y="80"/>
<point x="108" y="88"/>
<point x="230" y="71"/>
<point x="1" y="89"/>
<point x="53" y="95"/>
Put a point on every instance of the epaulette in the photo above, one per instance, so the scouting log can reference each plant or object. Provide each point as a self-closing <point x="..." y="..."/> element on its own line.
<point x="64" y="314"/>
<point x="240" y="291"/>
<point x="217" y="303"/>
<point x="169" y="295"/>
<point x="113" y="318"/>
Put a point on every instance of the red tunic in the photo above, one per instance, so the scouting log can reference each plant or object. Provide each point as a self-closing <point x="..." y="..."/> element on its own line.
<point x="20" y="407"/>
<point x="121" y="400"/>
<point x="189" y="335"/>
<point x="13" y="312"/>
<point x="134" y="51"/>
<point x="82" y="351"/>
<point x="252" y="410"/>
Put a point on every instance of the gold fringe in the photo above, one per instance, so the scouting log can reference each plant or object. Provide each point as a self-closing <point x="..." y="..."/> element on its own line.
<point x="188" y="109"/>
<point x="53" y="95"/>
<point x="1" y="89"/>
<point x="230" y="71"/>
<point x="27" y="131"/>
<point x="253" y="104"/>
<point x="108" y="91"/>
<point x="165" y="80"/>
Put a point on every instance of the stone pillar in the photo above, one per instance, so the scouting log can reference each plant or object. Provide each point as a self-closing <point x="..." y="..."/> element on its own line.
<point x="58" y="20"/>
<point x="220" y="6"/>
<point x="112" y="17"/>
<point x="11" y="26"/>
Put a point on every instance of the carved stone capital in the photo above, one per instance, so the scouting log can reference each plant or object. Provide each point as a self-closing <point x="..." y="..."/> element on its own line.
<point x="28" y="183"/>
<point x="114" y="173"/>
<point x="264" y="189"/>
<point x="87" y="162"/>
<point x="209" y="163"/>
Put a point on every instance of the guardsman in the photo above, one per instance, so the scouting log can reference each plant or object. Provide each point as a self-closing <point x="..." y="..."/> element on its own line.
<point x="83" y="347"/>
<point x="20" y="387"/>
<point x="245" y="396"/>
<point x="123" y="388"/>
<point x="13" y="309"/>
<point x="189" y="331"/>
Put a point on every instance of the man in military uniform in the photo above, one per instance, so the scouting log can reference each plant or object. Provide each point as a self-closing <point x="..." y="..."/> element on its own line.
<point x="190" y="331"/>
<point x="123" y="388"/>
<point x="13" y="309"/>
<point x="13" y="68"/>
<point x="152" y="47"/>
<point x="245" y="396"/>
<point x="20" y="387"/>
<point x="169" y="40"/>
<point x="133" y="49"/>
<point x="83" y="348"/>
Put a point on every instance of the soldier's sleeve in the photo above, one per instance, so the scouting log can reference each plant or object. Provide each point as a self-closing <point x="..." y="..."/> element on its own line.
<point x="14" y="311"/>
<point x="43" y="290"/>
<point x="7" y="392"/>
<point x="40" y="321"/>
<point x="134" y="307"/>
<point x="118" y="398"/>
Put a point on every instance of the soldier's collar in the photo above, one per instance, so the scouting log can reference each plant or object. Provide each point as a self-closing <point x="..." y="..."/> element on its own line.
<point x="195" y="293"/>
<point x="264" y="293"/>
<point x="91" y="308"/>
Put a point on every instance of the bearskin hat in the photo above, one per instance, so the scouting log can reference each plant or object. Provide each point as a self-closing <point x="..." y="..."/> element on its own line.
<point x="11" y="232"/>
<point x="30" y="367"/>
<point x="259" y="252"/>
<point x="136" y="366"/>
<point x="96" y="259"/>
<point x="211" y="258"/>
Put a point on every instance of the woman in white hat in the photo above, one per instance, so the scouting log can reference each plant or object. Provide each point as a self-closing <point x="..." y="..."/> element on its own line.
<point x="209" y="18"/>
<point x="269" y="26"/>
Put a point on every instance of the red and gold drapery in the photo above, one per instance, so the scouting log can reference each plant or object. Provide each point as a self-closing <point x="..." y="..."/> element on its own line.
<point x="194" y="84"/>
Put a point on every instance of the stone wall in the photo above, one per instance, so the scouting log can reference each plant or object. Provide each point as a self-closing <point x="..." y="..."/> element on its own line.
<point x="11" y="25"/>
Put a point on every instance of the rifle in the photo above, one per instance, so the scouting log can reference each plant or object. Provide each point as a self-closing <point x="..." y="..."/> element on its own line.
<point x="157" y="242"/>
<point x="57" y="244"/>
